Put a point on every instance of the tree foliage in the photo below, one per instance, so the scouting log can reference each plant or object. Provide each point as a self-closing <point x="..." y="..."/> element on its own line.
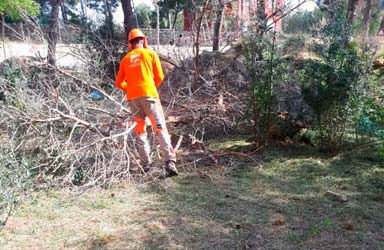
<point x="100" y="6"/>
<point x="13" y="8"/>
<point x="332" y="86"/>
<point x="169" y="10"/>
<point x="302" y="21"/>
<point x="144" y="14"/>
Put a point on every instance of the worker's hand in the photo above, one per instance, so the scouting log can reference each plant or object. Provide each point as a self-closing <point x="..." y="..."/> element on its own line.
<point x="124" y="85"/>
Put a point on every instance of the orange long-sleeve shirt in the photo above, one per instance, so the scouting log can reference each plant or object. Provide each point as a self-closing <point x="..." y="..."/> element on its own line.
<point x="140" y="74"/>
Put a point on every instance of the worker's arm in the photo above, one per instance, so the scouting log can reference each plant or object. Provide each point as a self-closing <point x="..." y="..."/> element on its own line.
<point x="120" y="78"/>
<point x="157" y="70"/>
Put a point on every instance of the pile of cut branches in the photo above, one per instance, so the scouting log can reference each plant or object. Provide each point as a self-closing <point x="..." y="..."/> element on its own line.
<point x="65" y="126"/>
<point x="72" y="128"/>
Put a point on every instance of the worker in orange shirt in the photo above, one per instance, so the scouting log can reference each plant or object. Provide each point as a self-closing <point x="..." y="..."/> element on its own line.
<point x="139" y="76"/>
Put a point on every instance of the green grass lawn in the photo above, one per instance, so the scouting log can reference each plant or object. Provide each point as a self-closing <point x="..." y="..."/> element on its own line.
<point x="232" y="205"/>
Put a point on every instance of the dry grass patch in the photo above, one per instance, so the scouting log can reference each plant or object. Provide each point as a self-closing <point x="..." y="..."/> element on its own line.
<point x="61" y="219"/>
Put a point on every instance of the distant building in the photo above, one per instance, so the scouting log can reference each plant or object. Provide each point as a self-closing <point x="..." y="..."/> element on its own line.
<point x="244" y="10"/>
<point x="247" y="9"/>
<point x="382" y="4"/>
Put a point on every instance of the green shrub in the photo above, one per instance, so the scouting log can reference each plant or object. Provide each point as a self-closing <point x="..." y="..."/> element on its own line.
<point x="15" y="180"/>
<point x="302" y="21"/>
<point x="334" y="85"/>
<point x="265" y="68"/>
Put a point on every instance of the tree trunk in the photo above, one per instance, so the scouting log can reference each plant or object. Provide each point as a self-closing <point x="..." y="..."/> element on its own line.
<point x="351" y="11"/>
<point x="197" y="44"/>
<point x="167" y="14"/>
<point x="157" y="26"/>
<point x="42" y="5"/>
<point x="261" y="25"/>
<point x="177" y="10"/>
<point x="351" y="14"/>
<point x="381" y="26"/>
<point x="3" y="34"/>
<point x="83" y="19"/>
<point x="129" y="22"/>
<point x="189" y="13"/>
<point x="109" y="20"/>
<point x="83" y="14"/>
<point x="217" y="26"/>
<point x="261" y="16"/>
<point x="53" y="31"/>
<point x="64" y="13"/>
<point x="260" y="12"/>
<point x="328" y="7"/>
<point x="367" y="15"/>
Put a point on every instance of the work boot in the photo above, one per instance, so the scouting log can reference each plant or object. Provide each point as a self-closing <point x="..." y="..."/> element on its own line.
<point x="170" y="167"/>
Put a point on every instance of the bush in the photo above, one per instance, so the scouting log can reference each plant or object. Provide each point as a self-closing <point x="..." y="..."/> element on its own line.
<point x="302" y="21"/>
<point x="269" y="73"/>
<point x="370" y="119"/>
<point x="334" y="86"/>
<point x="15" y="180"/>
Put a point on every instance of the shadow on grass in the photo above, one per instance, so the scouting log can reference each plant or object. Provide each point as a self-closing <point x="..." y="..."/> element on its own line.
<point x="281" y="206"/>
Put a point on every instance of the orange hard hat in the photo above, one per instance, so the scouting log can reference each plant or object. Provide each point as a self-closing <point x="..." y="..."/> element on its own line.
<point x="135" y="33"/>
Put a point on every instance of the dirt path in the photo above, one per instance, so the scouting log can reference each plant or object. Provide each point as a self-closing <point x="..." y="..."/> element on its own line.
<point x="67" y="54"/>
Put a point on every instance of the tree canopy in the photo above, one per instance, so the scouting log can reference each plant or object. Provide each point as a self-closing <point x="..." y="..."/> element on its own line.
<point x="13" y="8"/>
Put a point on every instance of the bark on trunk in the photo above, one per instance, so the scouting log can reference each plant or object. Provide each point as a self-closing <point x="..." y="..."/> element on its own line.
<point x="177" y="10"/>
<point x="189" y="14"/>
<point x="351" y="11"/>
<point x="381" y="26"/>
<point x="367" y="15"/>
<point x="261" y="25"/>
<point x="3" y="34"/>
<point x="328" y="7"/>
<point x="167" y="14"/>
<point x="129" y="22"/>
<point x="351" y="14"/>
<point x="83" y="14"/>
<point x="64" y="13"/>
<point x="53" y="31"/>
<point x="157" y="25"/>
<point x="261" y="16"/>
<point x="197" y="44"/>
<point x="109" y="19"/>
<point x="217" y="26"/>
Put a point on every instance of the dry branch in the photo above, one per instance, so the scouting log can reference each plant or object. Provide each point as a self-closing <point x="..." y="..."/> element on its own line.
<point x="240" y="154"/>
<point x="82" y="141"/>
<point x="96" y="88"/>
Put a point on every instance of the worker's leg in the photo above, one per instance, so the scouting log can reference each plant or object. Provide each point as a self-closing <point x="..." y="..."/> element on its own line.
<point x="154" y="111"/>
<point x="142" y="144"/>
<point x="164" y="139"/>
<point x="160" y="128"/>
